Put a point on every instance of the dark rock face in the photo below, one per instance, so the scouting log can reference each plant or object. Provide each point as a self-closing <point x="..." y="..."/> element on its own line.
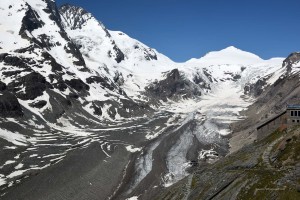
<point x="55" y="66"/>
<point x="71" y="48"/>
<point x="53" y="11"/>
<point x="30" y="21"/>
<point x="39" y="104"/>
<point x="290" y="60"/>
<point x="103" y="81"/>
<point x="2" y="56"/>
<point x="29" y="49"/>
<point x="119" y="79"/>
<point x="59" y="83"/>
<point x="234" y="77"/>
<point x="202" y="83"/>
<point x="35" y="84"/>
<point x="255" y="89"/>
<point x="119" y="54"/>
<point x="208" y="75"/>
<point x="125" y="108"/>
<point x="9" y="105"/>
<point x="78" y="85"/>
<point x="174" y="86"/>
<point x="2" y="86"/>
<point x="149" y="54"/>
<point x="14" y="60"/>
<point x="97" y="109"/>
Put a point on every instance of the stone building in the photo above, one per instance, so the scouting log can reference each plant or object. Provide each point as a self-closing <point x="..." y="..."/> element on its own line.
<point x="287" y="119"/>
<point x="293" y="115"/>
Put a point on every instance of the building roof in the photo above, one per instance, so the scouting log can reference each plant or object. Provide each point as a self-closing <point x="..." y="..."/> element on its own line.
<point x="293" y="106"/>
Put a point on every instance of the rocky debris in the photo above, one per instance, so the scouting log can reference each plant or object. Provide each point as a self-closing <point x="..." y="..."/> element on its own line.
<point x="9" y="105"/>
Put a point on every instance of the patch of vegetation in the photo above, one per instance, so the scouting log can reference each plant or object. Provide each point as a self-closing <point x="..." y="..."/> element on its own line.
<point x="263" y="182"/>
<point x="194" y="182"/>
<point x="289" y="194"/>
<point x="263" y="185"/>
<point x="275" y="135"/>
<point x="290" y="155"/>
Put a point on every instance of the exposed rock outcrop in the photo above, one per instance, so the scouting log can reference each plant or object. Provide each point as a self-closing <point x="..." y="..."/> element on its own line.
<point x="174" y="86"/>
<point x="9" y="105"/>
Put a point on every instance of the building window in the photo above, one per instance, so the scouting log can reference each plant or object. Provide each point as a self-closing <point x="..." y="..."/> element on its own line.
<point x="298" y="121"/>
<point x="298" y="112"/>
<point x="293" y="120"/>
<point x="292" y="113"/>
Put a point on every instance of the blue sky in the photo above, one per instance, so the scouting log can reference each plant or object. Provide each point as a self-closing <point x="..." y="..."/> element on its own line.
<point x="184" y="29"/>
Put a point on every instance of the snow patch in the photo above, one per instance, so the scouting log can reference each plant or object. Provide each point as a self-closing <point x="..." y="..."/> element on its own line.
<point x="13" y="137"/>
<point x="131" y="149"/>
<point x="133" y="198"/>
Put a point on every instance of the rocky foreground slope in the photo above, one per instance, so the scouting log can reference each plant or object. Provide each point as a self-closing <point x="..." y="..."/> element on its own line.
<point x="267" y="169"/>
<point x="89" y="113"/>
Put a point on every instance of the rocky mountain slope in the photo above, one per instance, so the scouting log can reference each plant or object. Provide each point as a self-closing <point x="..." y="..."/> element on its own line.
<point x="268" y="169"/>
<point x="87" y="109"/>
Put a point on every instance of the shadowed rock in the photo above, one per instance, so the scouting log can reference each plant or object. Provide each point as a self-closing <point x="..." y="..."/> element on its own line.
<point x="9" y="105"/>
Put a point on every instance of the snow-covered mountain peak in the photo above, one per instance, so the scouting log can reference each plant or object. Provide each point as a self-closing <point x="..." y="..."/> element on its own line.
<point x="229" y="55"/>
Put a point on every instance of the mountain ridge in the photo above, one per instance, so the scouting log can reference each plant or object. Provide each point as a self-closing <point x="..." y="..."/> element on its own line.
<point x="72" y="89"/>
